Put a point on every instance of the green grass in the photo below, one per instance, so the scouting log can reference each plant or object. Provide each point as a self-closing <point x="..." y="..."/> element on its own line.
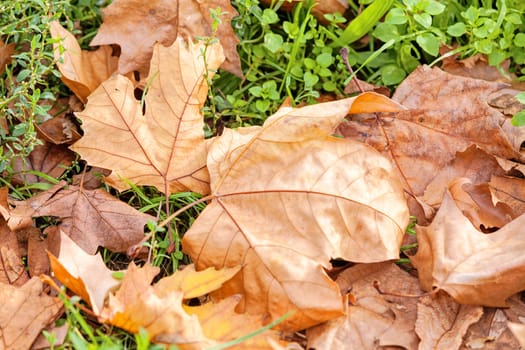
<point x="284" y="56"/>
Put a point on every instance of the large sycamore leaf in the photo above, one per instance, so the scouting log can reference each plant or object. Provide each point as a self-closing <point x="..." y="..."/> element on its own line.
<point x="136" y="25"/>
<point x="92" y="218"/>
<point x="82" y="71"/>
<point x="474" y="268"/>
<point x="288" y="197"/>
<point x="164" y="147"/>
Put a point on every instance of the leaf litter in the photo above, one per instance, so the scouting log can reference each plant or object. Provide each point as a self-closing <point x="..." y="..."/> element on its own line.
<point x="285" y="200"/>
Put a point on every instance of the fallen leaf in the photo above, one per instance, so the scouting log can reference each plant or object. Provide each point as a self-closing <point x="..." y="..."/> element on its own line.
<point x="6" y="51"/>
<point x="474" y="268"/>
<point x="162" y="21"/>
<point x="490" y="332"/>
<point x="59" y="130"/>
<point x="518" y="329"/>
<point x="195" y="283"/>
<point x="165" y="146"/>
<point x="446" y="115"/>
<point x="92" y="218"/>
<point x="82" y="273"/>
<point x="319" y="8"/>
<point x="82" y="71"/>
<point x="38" y="244"/>
<point x="442" y="323"/>
<point x="352" y="207"/>
<point x="12" y="269"/>
<point x="373" y="318"/>
<point x="26" y="310"/>
<point x="48" y="159"/>
<point x="511" y="191"/>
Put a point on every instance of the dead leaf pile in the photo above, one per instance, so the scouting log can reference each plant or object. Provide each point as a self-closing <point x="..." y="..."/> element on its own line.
<point x="305" y="215"/>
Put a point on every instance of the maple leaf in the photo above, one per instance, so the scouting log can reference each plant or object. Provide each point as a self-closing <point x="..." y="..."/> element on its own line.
<point x="91" y="218"/>
<point x="287" y="198"/>
<point x="163" y="21"/>
<point x="82" y="71"/>
<point x="474" y="268"/>
<point x="164" y="147"/>
<point x="26" y="310"/>
<point x="446" y="115"/>
<point x="442" y="323"/>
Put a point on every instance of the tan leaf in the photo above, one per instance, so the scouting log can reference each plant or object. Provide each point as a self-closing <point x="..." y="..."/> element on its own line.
<point x="372" y="318"/>
<point x="511" y="191"/>
<point x="6" y="51"/>
<point x="350" y="207"/>
<point x="165" y="146"/>
<point x="92" y="218"/>
<point x="25" y="312"/>
<point x="518" y="329"/>
<point x="442" y="323"/>
<point x="195" y="283"/>
<point x="447" y="115"/>
<point x="84" y="274"/>
<point x="59" y="130"/>
<point x="163" y="21"/>
<point x="220" y="322"/>
<point x="12" y="269"/>
<point x="474" y="268"/>
<point x="82" y="71"/>
<point x="39" y="244"/>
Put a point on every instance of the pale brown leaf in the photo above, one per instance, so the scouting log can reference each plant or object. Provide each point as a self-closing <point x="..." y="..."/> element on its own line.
<point x="165" y="146"/>
<point x="518" y="329"/>
<point x="6" y="51"/>
<point x="136" y="25"/>
<point x="82" y="273"/>
<point x="25" y="312"/>
<point x="474" y="268"/>
<point x="288" y="197"/>
<point x="82" y="71"/>
<point x="92" y="218"/>
<point x="442" y="323"/>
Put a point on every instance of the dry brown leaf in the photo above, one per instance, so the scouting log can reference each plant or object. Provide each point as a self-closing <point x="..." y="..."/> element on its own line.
<point x="518" y="329"/>
<point x="12" y="269"/>
<point x="59" y="130"/>
<point x="477" y="204"/>
<point x="448" y="114"/>
<point x="511" y="191"/>
<point x="82" y="71"/>
<point x="25" y="312"/>
<point x="47" y="158"/>
<point x="92" y="218"/>
<point x="350" y="206"/>
<point x="373" y="319"/>
<point x="442" y="323"/>
<point x="474" y="268"/>
<point x="136" y="25"/>
<point x="84" y="274"/>
<point x="474" y="164"/>
<point x="6" y="51"/>
<point x="165" y="146"/>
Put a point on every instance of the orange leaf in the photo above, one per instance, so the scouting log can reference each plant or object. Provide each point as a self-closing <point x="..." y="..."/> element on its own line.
<point x="84" y="274"/>
<point x="165" y="146"/>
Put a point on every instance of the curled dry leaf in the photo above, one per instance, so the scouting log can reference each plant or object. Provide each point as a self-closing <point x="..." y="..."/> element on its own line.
<point x="26" y="310"/>
<point x="447" y="114"/>
<point x="442" y="323"/>
<point x="163" y="147"/>
<point x="12" y="269"/>
<point x="288" y="197"/>
<point x="136" y="25"/>
<point x="82" y="71"/>
<point x="474" y="268"/>
<point x="92" y="218"/>
<point x="84" y="274"/>
<point x="518" y="329"/>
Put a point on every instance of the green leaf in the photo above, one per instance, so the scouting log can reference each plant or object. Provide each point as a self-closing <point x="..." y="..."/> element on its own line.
<point x="396" y="16"/>
<point x="520" y="97"/>
<point x="518" y="119"/>
<point x="392" y="74"/>
<point x="457" y="29"/>
<point x="429" y="43"/>
<point x="310" y="79"/>
<point x="496" y="57"/>
<point x="386" y="32"/>
<point x="434" y="8"/>
<point x="519" y="40"/>
<point x="273" y="42"/>
<point x="424" y="19"/>
<point x="325" y="59"/>
<point x="269" y="16"/>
